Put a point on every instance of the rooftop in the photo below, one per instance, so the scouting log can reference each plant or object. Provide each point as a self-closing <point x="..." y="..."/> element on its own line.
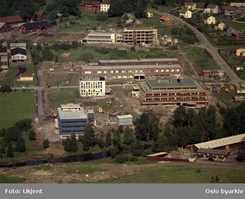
<point x="140" y="28"/>
<point x="42" y="24"/>
<point x="11" y="19"/>
<point x="18" y="50"/>
<point x="138" y="60"/>
<point x="124" y="116"/>
<point x="128" y="67"/>
<point x="221" y="142"/>
<point x="170" y="84"/>
<point x="71" y="111"/>
<point x="26" y="74"/>
<point x="213" y="151"/>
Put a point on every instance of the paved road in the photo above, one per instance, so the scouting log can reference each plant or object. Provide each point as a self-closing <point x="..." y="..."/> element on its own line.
<point x="212" y="50"/>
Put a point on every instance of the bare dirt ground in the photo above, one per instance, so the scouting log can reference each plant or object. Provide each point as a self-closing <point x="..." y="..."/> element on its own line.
<point x="57" y="173"/>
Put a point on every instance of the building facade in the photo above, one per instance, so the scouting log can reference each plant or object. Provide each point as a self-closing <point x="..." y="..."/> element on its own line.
<point x="140" y="35"/>
<point x="71" y="119"/>
<point x="92" y="87"/>
<point x="90" y="5"/>
<point x="4" y="60"/>
<point x="136" y="69"/>
<point x="124" y="120"/>
<point x="101" y="37"/>
<point x="172" y="92"/>
<point x="34" y="26"/>
<point x="104" y="6"/>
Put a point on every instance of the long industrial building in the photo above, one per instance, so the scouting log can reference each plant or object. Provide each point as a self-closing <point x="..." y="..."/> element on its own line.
<point x="133" y="69"/>
<point x="172" y="92"/>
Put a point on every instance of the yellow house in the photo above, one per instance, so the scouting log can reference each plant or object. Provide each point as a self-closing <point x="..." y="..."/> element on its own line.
<point x="209" y="20"/>
<point x="149" y="13"/>
<point x="26" y="77"/>
<point x="240" y="51"/>
<point x="190" y="6"/>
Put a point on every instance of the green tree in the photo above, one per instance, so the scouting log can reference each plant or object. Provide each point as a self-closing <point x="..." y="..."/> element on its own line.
<point x="108" y="139"/>
<point x="45" y="143"/>
<point x="89" y="137"/>
<point x="32" y="135"/>
<point x="231" y="122"/>
<point x="128" y="136"/>
<point x="10" y="150"/>
<point x="147" y="126"/>
<point x="73" y="143"/>
<point x="20" y="145"/>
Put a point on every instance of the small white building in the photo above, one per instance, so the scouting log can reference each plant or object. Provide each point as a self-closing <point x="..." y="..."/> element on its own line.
<point x="104" y="6"/>
<point x="185" y="14"/>
<point x="124" y="120"/>
<point x="92" y="87"/>
<point x="101" y="37"/>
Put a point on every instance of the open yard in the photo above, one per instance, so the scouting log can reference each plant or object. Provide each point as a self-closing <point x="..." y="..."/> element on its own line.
<point x="200" y="59"/>
<point x="16" y="106"/>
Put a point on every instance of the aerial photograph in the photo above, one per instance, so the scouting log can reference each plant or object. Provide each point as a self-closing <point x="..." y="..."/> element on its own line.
<point x="122" y="91"/>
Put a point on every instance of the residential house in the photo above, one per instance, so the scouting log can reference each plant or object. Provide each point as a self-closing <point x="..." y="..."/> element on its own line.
<point x="237" y="4"/>
<point x="18" y="55"/>
<point x="185" y="14"/>
<point x="241" y="10"/>
<point x="228" y="31"/>
<point x="209" y="20"/>
<point x="90" y="5"/>
<point x="26" y="77"/>
<point x="13" y="21"/>
<point x="190" y="5"/>
<point x="149" y="13"/>
<point x="39" y="15"/>
<point x="240" y="90"/>
<point x="230" y="11"/>
<point x="166" y="19"/>
<point x="240" y="51"/>
<point x="239" y="68"/>
<point x="105" y="5"/>
<point x="211" y="8"/>
<point x="219" y="26"/>
<point x="4" y="63"/>
<point x="35" y="26"/>
<point x="237" y="35"/>
<point x="4" y="28"/>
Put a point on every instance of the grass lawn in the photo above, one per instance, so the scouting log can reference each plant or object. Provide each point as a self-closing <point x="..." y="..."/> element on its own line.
<point x="16" y="106"/>
<point x="5" y="179"/>
<point x="236" y="25"/>
<point x="227" y="98"/>
<point x="63" y="96"/>
<point x="82" y="169"/>
<point x="165" y="8"/>
<point x="13" y="71"/>
<point x="178" y="174"/>
<point x="200" y="59"/>
<point x="87" y="21"/>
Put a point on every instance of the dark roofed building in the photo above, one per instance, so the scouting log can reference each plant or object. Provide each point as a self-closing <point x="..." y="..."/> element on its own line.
<point x="35" y="26"/>
<point x="4" y="27"/>
<point x="213" y="153"/>
<point x="18" y="55"/>
<point x="39" y="14"/>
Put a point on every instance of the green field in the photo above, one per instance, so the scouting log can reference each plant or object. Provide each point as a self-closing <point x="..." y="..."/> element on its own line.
<point x="227" y="98"/>
<point x="200" y="59"/>
<point x="7" y="179"/>
<point x="12" y="72"/>
<point x="64" y="96"/>
<point x="82" y="169"/>
<point x="181" y="174"/>
<point x="16" y="106"/>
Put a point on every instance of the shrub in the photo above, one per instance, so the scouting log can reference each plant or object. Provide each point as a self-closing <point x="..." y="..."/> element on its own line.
<point x="121" y="158"/>
<point x="147" y="152"/>
<point x="138" y="152"/>
<point x="45" y="143"/>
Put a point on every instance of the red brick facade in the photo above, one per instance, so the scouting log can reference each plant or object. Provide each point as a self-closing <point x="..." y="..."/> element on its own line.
<point x="90" y="5"/>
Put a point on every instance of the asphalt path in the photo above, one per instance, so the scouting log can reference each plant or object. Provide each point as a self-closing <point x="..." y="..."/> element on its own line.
<point x="211" y="49"/>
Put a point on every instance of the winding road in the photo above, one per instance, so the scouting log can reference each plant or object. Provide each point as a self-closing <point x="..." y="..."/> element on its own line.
<point x="205" y="44"/>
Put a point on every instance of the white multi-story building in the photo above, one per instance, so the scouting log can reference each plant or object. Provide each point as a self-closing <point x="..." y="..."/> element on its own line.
<point x="104" y="6"/>
<point x="101" y="37"/>
<point x="92" y="87"/>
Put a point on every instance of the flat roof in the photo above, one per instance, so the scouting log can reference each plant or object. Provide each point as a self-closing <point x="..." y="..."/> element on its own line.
<point x="213" y="151"/>
<point x="138" y="60"/>
<point x="221" y="142"/>
<point x="70" y="105"/>
<point x="90" y="79"/>
<point x="90" y="111"/>
<point x="101" y="33"/>
<point x="124" y="116"/>
<point x="139" y="28"/>
<point x="72" y="114"/>
<point x="97" y="67"/>
<point x="163" y="84"/>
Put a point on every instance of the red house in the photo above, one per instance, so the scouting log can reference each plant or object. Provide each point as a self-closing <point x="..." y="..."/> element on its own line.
<point x="39" y="15"/>
<point x="12" y="21"/>
<point x="90" y="5"/>
<point x="4" y="27"/>
<point x="237" y="35"/>
<point x="35" y="26"/>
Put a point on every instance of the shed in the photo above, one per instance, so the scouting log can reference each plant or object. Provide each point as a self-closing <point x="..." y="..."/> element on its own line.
<point x="91" y="114"/>
<point x="124" y="120"/>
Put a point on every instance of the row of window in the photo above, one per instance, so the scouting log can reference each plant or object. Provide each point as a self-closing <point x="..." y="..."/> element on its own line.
<point x="134" y="71"/>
